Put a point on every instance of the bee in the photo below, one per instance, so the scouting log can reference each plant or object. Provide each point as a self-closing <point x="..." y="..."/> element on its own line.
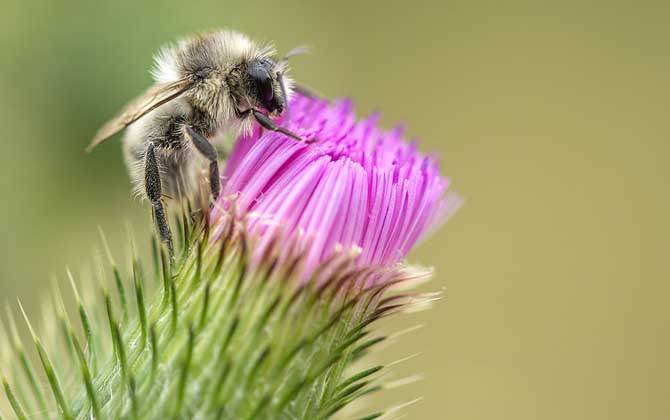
<point x="207" y="85"/>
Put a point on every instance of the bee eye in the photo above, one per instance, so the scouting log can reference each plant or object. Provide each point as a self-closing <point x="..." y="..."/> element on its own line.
<point x="267" y="93"/>
<point x="259" y="73"/>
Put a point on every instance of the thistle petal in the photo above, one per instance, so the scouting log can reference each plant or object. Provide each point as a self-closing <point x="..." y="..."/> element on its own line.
<point x="349" y="185"/>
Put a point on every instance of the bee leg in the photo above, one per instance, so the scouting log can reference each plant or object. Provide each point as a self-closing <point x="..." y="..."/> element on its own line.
<point x="152" y="184"/>
<point x="208" y="151"/>
<point x="268" y="124"/>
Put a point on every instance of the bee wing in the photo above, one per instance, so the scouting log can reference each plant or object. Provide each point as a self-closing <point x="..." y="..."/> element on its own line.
<point x="154" y="97"/>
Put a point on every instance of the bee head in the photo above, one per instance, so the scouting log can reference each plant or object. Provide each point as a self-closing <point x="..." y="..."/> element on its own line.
<point x="265" y="86"/>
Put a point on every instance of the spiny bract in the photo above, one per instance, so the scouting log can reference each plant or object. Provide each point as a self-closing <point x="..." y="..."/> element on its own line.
<point x="216" y="336"/>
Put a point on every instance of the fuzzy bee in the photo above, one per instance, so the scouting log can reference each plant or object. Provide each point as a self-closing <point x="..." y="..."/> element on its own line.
<point x="205" y="85"/>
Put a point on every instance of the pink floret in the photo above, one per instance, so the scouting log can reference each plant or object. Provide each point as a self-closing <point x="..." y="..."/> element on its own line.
<point x="349" y="185"/>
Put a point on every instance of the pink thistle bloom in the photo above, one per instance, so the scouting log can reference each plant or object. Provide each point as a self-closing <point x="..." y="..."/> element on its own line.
<point x="350" y="185"/>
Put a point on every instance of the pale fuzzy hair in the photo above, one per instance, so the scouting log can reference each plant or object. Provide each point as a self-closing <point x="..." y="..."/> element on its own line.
<point x="219" y="48"/>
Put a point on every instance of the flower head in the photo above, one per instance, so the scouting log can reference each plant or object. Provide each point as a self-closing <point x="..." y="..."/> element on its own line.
<point x="349" y="185"/>
<point x="220" y="338"/>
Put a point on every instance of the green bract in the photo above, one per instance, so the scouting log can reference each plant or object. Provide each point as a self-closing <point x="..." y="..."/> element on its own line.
<point x="214" y="336"/>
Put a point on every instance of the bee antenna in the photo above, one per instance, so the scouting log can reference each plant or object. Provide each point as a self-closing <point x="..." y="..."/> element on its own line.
<point x="282" y="85"/>
<point x="295" y="51"/>
<point x="282" y="61"/>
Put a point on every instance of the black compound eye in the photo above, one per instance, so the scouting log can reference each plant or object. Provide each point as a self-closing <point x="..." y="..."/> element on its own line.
<point x="266" y="90"/>
<point x="259" y="73"/>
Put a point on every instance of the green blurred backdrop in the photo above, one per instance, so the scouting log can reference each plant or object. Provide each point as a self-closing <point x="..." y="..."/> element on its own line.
<point x="551" y="118"/>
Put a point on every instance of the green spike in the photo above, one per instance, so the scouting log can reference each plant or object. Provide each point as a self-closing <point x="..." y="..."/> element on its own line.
<point x="220" y="255"/>
<point x="155" y="257"/>
<point x="48" y="324"/>
<point x="359" y="328"/>
<point x="184" y="371"/>
<point x="337" y="316"/>
<point x="357" y="377"/>
<point x="333" y="410"/>
<point x="174" y="307"/>
<point x="121" y="351"/>
<point x="186" y="226"/>
<point x="25" y="317"/>
<point x="32" y="381"/>
<point x="73" y="285"/>
<point x="16" y="406"/>
<point x="223" y="361"/>
<point x="121" y="292"/>
<point x="294" y="352"/>
<point x="139" y="297"/>
<point x="86" y="376"/>
<point x="179" y="229"/>
<point x="268" y="312"/>
<point x="238" y="284"/>
<point x="63" y="322"/>
<point x="132" y="393"/>
<point x="63" y="318"/>
<point x="229" y="337"/>
<point x="260" y="407"/>
<point x="221" y="413"/>
<point x="23" y="359"/>
<point x="48" y="369"/>
<point x="218" y="389"/>
<point x="154" y="351"/>
<point x="198" y="265"/>
<point x="307" y="380"/>
<point x="205" y="306"/>
<point x="18" y="381"/>
<point x="350" y="390"/>
<point x="117" y="275"/>
<point x="322" y="370"/>
<point x="110" y="319"/>
<point x="206" y="229"/>
<point x="350" y="341"/>
<point x="85" y="322"/>
<point x="105" y="245"/>
<point x="360" y="350"/>
<point x="166" y="277"/>
<point x="371" y="390"/>
<point x="371" y="416"/>
<point x="256" y="366"/>
<point x="290" y="395"/>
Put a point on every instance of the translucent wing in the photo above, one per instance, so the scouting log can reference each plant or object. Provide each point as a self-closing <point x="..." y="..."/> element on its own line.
<point x="154" y="97"/>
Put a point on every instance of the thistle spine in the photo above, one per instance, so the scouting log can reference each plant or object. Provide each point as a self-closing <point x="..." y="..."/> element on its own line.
<point x="219" y="335"/>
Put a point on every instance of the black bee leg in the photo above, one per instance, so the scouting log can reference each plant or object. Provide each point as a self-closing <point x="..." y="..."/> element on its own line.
<point x="152" y="185"/>
<point x="268" y="124"/>
<point x="208" y="151"/>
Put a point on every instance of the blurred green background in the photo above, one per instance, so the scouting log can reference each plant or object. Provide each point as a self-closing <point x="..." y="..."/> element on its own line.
<point x="551" y="118"/>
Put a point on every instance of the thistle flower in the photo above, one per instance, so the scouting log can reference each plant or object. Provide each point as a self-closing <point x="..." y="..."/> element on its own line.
<point x="271" y="299"/>
<point x="349" y="185"/>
